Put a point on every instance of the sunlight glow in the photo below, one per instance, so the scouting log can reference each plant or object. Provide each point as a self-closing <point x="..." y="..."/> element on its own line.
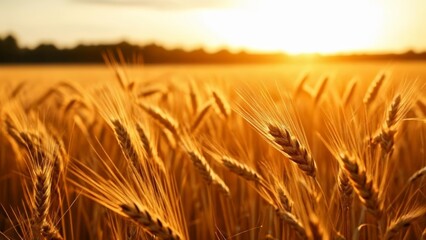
<point x="304" y="26"/>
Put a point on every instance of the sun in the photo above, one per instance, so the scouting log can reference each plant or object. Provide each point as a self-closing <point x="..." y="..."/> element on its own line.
<point x="330" y="26"/>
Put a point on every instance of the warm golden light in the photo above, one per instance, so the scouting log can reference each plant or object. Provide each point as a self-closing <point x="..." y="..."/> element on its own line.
<point x="299" y="26"/>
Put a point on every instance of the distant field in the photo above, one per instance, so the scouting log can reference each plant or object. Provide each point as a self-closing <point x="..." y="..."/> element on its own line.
<point x="342" y="71"/>
<point x="239" y="152"/>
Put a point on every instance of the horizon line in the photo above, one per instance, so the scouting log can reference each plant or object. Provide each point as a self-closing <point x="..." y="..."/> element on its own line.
<point x="233" y="50"/>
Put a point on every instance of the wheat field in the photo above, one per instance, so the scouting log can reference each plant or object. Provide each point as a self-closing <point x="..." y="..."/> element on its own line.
<point x="171" y="155"/>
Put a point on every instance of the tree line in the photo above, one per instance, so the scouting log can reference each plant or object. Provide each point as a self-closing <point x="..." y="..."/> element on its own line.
<point x="11" y="52"/>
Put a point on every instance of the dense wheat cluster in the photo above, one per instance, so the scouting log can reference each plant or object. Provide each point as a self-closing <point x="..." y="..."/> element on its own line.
<point x="161" y="158"/>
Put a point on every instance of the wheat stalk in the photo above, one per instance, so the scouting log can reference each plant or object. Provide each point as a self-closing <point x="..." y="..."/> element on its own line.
<point x="57" y="166"/>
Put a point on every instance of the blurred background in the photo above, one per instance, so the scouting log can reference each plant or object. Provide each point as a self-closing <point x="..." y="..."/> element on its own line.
<point x="211" y="31"/>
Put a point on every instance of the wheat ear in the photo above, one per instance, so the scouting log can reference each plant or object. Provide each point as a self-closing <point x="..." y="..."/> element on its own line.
<point x="300" y="84"/>
<point x="285" y="201"/>
<point x="418" y="174"/>
<point x="149" y="221"/>
<point x="363" y="186"/>
<point x="291" y="147"/>
<point x="50" y="232"/>
<point x="421" y="106"/>
<point x="241" y="169"/>
<point x="149" y="92"/>
<point x="222" y="104"/>
<point x="207" y="172"/>
<point x="17" y="89"/>
<point x="373" y="89"/>
<point x="194" y="98"/>
<point x="392" y="113"/>
<point x="201" y="116"/>
<point x="293" y="222"/>
<point x="149" y="149"/>
<point x="349" y="91"/>
<point x="320" y="89"/>
<point x="346" y="191"/>
<point x="388" y="131"/>
<point x="162" y="118"/>
<point x="13" y="132"/>
<point x="151" y="152"/>
<point x="41" y="195"/>
<point x="126" y="144"/>
<point x="402" y="222"/>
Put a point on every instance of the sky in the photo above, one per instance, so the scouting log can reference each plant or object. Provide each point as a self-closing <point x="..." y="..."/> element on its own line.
<point x="292" y="26"/>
